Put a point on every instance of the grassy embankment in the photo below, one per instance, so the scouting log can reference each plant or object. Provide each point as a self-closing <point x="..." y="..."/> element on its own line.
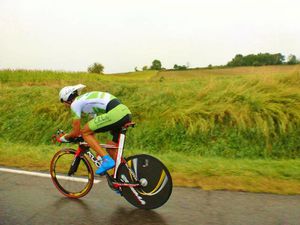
<point x="233" y="129"/>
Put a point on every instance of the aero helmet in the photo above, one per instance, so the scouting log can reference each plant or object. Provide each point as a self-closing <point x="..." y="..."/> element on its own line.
<point x="68" y="91"/>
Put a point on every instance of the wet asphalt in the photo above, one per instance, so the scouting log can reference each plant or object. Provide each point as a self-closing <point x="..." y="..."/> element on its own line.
<point x="28" y="200"/>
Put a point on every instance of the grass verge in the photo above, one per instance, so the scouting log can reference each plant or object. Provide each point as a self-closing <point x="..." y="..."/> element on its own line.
<point x="269" y="176"/>
<point x="244" y="112"/>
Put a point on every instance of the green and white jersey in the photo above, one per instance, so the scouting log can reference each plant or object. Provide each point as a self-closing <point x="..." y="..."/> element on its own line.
<point x="92" y="103"/>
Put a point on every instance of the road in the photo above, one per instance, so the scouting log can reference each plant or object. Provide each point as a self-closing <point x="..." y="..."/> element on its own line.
<point x="29" y="200"/>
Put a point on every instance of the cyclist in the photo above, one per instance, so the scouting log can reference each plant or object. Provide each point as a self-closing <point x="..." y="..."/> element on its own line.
<point x="108" y="112"/>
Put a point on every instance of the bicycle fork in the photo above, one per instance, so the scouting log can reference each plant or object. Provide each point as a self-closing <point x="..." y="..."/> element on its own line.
<point x="74" y="165"/>
<point x="76" y="161"/>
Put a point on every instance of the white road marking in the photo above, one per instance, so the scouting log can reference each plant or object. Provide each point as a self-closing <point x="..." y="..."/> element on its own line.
<point x="38" y="174"/>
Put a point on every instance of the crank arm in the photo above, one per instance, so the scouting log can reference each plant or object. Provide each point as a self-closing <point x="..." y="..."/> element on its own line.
<point x="117" y="185"/>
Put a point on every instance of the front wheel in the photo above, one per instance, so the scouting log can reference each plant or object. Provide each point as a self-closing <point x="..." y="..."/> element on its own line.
<point x="72" y="176"/>
<point x="154" y="177"/>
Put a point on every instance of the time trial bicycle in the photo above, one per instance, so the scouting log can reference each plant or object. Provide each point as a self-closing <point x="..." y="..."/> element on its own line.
<point x="143" y="180"/>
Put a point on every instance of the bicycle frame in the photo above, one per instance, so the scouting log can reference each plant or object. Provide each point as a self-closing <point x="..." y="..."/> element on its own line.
<point x="83" y="148"/>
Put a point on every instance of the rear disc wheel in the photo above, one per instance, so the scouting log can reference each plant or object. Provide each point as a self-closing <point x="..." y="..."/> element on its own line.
<point x="154" y="178"/>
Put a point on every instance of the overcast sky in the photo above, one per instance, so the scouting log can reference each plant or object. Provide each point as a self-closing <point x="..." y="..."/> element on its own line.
<point x="72" y="34"/>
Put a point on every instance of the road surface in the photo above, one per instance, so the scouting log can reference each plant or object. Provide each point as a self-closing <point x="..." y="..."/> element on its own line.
<point x="29" y="200"/>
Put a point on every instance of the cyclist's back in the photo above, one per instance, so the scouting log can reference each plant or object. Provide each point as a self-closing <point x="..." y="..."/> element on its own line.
<point x="93" y="103"/>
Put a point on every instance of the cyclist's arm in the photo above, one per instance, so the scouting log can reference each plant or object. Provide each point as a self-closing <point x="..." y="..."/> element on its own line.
<point x="75" y="131"/>
<point x="76" y="115"/>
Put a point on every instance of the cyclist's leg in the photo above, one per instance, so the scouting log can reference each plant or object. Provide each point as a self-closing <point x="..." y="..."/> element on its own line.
<point x="107" y="162"/>
<point x="89" y="136"/>
<point x="115" y="135"/>
<point x="115" y="130"/>
<point x="109" y="121"/>
<point x="100" y="124"/>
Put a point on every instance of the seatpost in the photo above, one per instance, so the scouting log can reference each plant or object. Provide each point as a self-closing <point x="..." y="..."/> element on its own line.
<point x="120" y="149"/>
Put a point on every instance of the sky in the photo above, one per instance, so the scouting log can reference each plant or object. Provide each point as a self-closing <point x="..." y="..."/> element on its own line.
<point x="70" y="35"/>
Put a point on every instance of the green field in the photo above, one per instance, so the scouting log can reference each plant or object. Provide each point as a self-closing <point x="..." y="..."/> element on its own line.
<point x="231" y="128"/>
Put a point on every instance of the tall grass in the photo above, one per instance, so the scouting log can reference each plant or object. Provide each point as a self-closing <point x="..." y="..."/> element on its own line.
<point x="235" y="113"/>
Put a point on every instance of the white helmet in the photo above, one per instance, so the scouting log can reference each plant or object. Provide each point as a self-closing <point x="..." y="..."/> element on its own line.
<point x="66" y="92"/>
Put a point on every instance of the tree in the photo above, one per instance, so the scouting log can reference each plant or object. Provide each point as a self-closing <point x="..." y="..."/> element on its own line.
<point x="292" y="60"/>
<point x="96" y="68"/>
<point x="236" y="61"/>
<point x="156" y="65"/>
<point x="279" y="58"/>
<point x="145" y="68"/>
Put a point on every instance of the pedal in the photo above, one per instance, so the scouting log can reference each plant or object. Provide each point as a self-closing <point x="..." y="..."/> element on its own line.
<point x="111" y="183"/>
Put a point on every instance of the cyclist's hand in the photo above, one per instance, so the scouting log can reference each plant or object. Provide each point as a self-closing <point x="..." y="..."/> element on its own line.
<point x="56" y="137"/>
<point x="62" y="139"/>
<point x="60" y="132"/>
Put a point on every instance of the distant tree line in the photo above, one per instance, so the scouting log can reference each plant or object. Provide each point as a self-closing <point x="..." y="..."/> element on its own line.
<point x="178" y="67"/>
<point x="157" y="65"/>
<point x="261" y="59"/>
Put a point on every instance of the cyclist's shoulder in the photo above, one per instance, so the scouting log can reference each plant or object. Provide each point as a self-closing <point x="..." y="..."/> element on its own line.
<point x="94" y="96"/>
<point x="82" y="97"/>
<point x="78" y="101"/>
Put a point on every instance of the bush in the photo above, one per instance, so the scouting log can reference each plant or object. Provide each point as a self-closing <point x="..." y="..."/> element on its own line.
<point x="178" y="67"/>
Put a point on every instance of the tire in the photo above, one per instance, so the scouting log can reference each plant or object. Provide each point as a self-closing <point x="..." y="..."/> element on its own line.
<point x="155" y="179"/>
<point x="78" y="183"/>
